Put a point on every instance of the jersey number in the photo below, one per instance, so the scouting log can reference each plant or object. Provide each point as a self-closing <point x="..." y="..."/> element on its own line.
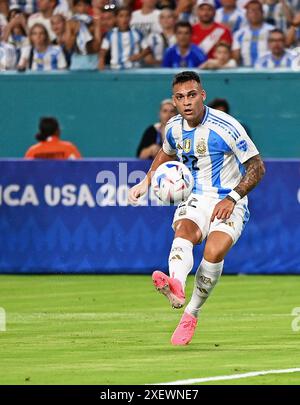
<point x="194" y="160"/>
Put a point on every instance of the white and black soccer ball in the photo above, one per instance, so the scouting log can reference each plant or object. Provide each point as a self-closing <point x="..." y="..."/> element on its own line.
<point x="172" y="182"/>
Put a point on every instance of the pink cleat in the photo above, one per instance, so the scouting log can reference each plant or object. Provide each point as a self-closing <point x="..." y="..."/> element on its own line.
<point x="170" y="287"/>
<point x="185" y="330"/>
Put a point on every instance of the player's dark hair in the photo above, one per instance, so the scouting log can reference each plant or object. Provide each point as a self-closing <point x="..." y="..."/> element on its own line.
<point x="183" y="24"/>
<point x="48" y="126"/>
<point x="186" y="76"/>
<point x="220" y="102"/>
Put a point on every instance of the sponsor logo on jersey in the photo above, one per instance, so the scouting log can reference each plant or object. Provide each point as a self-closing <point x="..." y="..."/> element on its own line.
<point x="187" y="144"/>
<point x="178" y="146"/>
<point x="201" y="147"/>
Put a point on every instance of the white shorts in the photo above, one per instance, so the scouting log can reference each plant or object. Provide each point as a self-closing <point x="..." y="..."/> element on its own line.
<point x="199" y="209"/>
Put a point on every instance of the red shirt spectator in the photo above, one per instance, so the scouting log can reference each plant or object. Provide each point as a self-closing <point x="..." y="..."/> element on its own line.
<point x="207" y="33"/>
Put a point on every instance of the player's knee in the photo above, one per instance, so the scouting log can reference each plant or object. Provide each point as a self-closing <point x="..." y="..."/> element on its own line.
<point x="187" y="229"/>
<point x="213" y="253"/>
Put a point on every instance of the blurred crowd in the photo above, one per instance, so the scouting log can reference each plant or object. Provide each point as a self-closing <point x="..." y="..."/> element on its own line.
<point x="47" y="35"/>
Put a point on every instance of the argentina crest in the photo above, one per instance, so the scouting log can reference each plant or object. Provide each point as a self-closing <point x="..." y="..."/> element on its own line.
<point x="201" y="147"/>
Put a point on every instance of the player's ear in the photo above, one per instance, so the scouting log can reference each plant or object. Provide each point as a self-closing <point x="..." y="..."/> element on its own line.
<point x="173" y="99"/>
<point x="203" y="94"/>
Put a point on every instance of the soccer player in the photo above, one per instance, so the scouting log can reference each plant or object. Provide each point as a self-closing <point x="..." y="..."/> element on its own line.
<point x="226" y="166"/>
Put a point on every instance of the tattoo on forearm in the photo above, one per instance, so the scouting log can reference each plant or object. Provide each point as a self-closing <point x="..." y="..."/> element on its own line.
<point x="255" y="170"/>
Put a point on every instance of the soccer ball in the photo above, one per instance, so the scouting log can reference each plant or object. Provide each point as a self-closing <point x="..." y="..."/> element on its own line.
<point x="172" y="182"/>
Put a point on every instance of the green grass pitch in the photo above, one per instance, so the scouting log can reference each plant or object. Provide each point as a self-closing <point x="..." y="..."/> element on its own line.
<point x="116" y="330"/>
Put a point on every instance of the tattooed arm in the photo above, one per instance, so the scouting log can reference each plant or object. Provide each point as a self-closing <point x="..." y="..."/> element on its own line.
<point x="255" y="170"/>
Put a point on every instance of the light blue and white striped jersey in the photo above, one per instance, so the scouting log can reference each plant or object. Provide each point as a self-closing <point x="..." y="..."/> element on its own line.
<point x="213" y="151"/>
<point x="8" y="56"/>
<point x="234" y="20"/>
<point x="158" y="43"/>
<point x="122" y="45"/>
<point x="252" y="43"/>
<point x="274" y="14"/>
<point x="269" y="62"/>
<point x="52" y="59"/>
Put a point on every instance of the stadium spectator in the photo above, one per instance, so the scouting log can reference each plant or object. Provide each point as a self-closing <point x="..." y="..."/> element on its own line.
<point x="230" y="15"/>
<point x="278" y="13"/>
<point x="108" y="18"/>
<point x="3" y="22"/>
<point x="123" y="42"/>
<point x="50" y="146"/>
<point x="293" y="33"/>
<point x="43" y="16"/>
<point x="208" y="33"/>
<point x="146" y="20"/>
<point x="222" y="59"/>
<point x="251" y="41"/>
<point x="184" y="53"/>
<point x="170" y="4"/>
<point x="40" y="55"/>
<point x="8" y="56"/>
<point x="220" y="104"/>
<point x="159" y="42"/>
<point x="25" y="6"/>
<point x="153" y="136"/>
<point x="15" y="32"/>
<point x="184" y="11"/>
<point x="4" y="8"/>
<point x="83" y="37"/>
<point x="278" y="56"/>
<point x="58" y="25"/>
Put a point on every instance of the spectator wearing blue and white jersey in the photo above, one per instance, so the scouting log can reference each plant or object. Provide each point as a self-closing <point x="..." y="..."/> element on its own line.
<point x="251" y="41"/>
<point x="278" y="13"/>
<point x="26" y="6"/>
<point x="146" y="20"/>
<point x="278" y="56"/>
<point x="46" y="9"/>
<point x="124" y="44"/>
<point x="83" y="37"/>
<point x="157" y="43"/>
<point x="184" y="53"/>
<point x="15" y="32"/>
<point x="8" y="56"/>
<point x="40" y="55"/>
<point x="230" y="15"/>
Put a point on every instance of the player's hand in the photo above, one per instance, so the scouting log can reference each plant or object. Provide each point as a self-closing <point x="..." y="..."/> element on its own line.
<point x="137" y="191"/>
<point x="223" y="209"/>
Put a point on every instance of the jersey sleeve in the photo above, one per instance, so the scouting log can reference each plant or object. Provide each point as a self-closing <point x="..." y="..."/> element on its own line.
<point x="25" y="55"/>
<point x="61" y="60"/>
<point x="169" y="145"/>
<point x="241" y="144"/>
<point x="105" y="43"/>
<point x="237" y="38"/>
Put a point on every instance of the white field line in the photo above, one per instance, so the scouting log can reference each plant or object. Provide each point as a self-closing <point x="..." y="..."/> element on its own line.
<point x="231" y="377"/>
